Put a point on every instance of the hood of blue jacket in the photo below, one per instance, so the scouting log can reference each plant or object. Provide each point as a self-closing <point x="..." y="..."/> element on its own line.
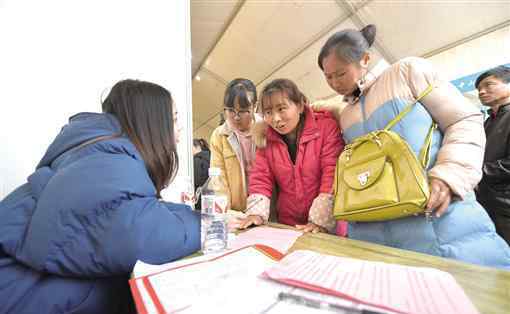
<point x="81" y="128"/>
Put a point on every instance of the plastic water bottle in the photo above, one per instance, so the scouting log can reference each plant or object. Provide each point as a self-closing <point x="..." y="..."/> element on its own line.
<point x="214" y="214"/>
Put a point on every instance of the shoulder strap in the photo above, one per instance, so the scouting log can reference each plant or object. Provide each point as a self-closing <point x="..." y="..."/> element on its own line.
<point x="407" y="109"/>
<point x="424" y="155"/>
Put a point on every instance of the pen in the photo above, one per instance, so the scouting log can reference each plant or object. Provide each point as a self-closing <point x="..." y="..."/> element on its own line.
<point x="318" y="304"/>
<point x="253" y="203"/>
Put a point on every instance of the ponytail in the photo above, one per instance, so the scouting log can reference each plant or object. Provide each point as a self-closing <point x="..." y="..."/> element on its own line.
<point x="350" y="45"/>
<point x="368" y="33"/>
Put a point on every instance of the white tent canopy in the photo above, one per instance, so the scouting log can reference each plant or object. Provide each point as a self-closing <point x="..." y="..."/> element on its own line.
<point x="264" y="40"/>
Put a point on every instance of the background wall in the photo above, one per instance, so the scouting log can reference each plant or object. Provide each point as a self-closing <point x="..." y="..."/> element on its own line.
<point x="57" y="57"/>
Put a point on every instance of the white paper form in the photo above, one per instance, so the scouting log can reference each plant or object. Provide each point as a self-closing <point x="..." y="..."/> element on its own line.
<point x="231" y="283"/>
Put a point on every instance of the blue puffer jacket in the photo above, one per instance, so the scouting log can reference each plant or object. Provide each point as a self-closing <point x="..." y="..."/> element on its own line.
<point x="71" y="235"/>
<point x="464" y="232"/>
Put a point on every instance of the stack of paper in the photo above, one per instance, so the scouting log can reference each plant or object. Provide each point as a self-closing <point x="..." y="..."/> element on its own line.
<point x="396" y="288"/>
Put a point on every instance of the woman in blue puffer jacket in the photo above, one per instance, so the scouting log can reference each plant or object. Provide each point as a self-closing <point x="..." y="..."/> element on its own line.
<point x="459" y="227"/>
<point x="70" y="236"/>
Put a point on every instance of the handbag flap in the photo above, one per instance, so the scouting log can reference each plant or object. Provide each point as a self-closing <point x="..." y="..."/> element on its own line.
<point x="362" y="175"/>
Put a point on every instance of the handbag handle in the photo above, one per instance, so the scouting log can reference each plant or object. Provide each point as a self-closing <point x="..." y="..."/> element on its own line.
<point x="424" y="155"/>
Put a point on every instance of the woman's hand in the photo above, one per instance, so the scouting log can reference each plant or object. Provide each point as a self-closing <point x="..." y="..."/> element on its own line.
<point x="311" y="227"/>
<point x="334" y="108"/>
<point x="321" y="212"/>
<point x="440" y="197"/>
<point x="243" y="223"/>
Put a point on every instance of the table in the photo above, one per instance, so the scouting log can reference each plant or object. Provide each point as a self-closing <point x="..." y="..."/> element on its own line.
<point x="488" y="288"/>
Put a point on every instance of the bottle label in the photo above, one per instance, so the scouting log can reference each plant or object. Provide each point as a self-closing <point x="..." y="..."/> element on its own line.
<point x="214" y="204"/>
<point x="220" y="205"/>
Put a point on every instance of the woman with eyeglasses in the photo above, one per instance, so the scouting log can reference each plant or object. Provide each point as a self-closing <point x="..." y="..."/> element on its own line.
<point x="231" y="144"/>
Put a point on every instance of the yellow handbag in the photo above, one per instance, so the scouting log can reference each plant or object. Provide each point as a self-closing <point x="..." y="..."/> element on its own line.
<point x="378" y="176"/>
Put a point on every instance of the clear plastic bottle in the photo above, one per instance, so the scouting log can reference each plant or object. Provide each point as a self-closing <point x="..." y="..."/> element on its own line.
<point x="214" y="231"/>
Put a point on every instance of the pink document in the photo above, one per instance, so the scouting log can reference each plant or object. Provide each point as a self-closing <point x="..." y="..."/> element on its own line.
<point x="397" y="288"/>
<point x="279" y="239"/>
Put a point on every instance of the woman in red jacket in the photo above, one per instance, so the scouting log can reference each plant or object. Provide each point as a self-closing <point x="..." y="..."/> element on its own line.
<point x="298" y="154"/>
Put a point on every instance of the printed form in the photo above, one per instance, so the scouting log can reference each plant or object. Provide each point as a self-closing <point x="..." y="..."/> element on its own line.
<point x="231" y="283"/>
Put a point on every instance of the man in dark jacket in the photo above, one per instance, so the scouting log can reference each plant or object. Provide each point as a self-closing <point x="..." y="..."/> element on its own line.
<point x="494" y="190"/>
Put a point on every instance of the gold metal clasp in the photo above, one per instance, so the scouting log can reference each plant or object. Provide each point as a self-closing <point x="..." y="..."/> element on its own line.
<point x="377" y="140"/>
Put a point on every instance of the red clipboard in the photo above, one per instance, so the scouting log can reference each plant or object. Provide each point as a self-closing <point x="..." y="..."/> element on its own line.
<point x="137" y="296"/>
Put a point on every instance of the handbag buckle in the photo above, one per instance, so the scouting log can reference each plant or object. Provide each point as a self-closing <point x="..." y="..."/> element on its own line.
<point x="377" y="140"/>
<point x="348" y="153"/>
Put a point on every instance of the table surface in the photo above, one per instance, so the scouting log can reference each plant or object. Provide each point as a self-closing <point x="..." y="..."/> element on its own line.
<point x="488" y="288"/>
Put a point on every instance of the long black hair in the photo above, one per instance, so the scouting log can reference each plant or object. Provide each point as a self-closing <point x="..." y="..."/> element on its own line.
<point x="145" y="113"/>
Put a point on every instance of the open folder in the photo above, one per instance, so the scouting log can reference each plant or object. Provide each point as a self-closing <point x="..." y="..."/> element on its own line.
<point x="230" y="282"/>
<point x="253" y="279"/>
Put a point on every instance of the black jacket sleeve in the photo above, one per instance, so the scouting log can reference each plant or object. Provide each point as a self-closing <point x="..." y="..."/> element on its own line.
<point x="201" y="168"/>
<point x="498" y="171"/>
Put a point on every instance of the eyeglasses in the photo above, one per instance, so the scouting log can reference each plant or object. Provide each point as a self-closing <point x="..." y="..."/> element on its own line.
<point x="241" y="113"/>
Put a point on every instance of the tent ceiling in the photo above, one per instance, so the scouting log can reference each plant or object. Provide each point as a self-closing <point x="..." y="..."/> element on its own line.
<point x="208" y="21"/>
<point x="263" y="40"/>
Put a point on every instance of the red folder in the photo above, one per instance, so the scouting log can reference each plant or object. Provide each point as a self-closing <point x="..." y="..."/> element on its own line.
<point x="152" y="297"/>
